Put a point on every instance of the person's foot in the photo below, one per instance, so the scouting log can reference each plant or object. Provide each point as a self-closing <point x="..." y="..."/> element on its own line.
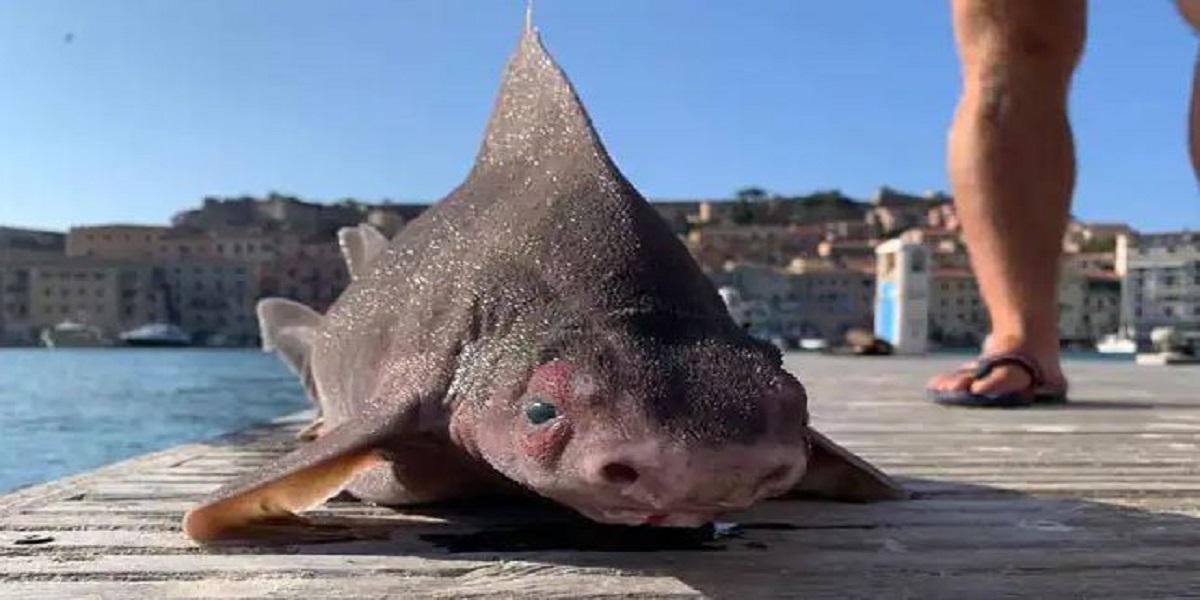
<point x="1005" y="378"/>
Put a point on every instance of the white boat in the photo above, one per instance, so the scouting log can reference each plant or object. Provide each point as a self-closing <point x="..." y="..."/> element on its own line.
<point x="157" y="334"/>
<point x="1114" y="343"/>
<point x="813" y="344"/>
<point x="71" y="334"/>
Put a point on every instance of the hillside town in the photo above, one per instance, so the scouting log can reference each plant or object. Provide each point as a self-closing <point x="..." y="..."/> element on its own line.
<point x="800" y="268"/>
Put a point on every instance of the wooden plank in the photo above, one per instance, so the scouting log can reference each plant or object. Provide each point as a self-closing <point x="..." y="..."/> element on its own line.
<point x="1134" y="583"/>
<point x="582" y="586"/>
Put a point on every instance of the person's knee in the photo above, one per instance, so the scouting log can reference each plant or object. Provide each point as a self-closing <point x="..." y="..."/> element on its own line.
<point x="1028" y="41"/>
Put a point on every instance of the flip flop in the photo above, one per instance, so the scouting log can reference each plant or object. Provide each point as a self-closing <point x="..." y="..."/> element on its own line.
<point x="1036" y="393"/>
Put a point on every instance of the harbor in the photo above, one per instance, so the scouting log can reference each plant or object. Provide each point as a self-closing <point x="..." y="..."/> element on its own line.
<point x="1099" y="498"/>
<point x="821" y="315"/>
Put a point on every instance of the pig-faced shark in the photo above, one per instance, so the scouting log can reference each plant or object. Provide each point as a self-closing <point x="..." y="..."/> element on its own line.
<point x="540" y="330"/>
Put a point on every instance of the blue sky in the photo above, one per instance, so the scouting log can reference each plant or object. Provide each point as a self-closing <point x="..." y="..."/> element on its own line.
<point x="154" y="104"/>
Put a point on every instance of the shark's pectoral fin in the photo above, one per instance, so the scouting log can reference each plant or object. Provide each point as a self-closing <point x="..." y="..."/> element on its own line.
<point x="296" y="482"/>
<point x="289" y="329"/>
<point x="835" y="473"/>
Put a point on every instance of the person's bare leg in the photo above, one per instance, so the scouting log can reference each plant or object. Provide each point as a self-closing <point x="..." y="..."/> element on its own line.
<point x="1190" y="9"/>
<point x="1012" y="171"/>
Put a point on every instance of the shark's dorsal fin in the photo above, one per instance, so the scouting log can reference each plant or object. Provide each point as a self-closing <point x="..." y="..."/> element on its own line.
<point x="537" y="114"/>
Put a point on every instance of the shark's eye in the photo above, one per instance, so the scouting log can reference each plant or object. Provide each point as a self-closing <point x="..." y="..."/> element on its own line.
<point x="539" y="412"/>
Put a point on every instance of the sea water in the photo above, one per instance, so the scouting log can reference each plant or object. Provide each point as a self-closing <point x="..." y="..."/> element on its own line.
<point x="63" y="411"/>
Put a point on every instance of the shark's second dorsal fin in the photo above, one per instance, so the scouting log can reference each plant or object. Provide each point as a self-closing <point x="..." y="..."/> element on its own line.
<point x="360" y="245"/>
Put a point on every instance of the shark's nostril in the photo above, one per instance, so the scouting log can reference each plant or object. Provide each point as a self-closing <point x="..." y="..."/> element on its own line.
<point x="619" y="474"/>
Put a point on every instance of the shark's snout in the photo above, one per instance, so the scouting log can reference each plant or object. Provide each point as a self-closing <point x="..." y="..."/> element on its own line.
<point x="673" y="479"/>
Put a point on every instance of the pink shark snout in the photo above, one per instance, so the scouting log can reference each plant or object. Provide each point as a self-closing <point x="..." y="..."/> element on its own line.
<point x="673" y="485"/>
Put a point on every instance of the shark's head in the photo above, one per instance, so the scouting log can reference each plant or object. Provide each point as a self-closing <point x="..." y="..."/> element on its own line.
<point x="643" y="420"/>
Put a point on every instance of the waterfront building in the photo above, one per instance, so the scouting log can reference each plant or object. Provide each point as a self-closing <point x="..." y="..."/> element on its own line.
<point x="1161" y="274"/>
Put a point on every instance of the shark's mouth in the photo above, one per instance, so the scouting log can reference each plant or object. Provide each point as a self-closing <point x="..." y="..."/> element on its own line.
<point x="677" y="518"/>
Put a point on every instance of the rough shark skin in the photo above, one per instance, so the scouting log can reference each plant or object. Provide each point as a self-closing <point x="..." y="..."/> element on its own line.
<point x="540" y="330"/>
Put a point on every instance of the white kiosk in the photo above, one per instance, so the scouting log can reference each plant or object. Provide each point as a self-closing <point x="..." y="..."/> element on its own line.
<point x="902" y="295"/>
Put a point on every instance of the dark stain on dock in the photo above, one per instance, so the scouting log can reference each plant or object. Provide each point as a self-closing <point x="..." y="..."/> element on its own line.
<point x="578" y="538"/>
<point x="33" y="540"/>
<point x="588" y="537"/>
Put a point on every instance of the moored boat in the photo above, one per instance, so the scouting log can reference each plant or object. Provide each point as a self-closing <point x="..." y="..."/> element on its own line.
<point x="71" y="334"/>
<point x="157" y="335"/>
<point x="1116" y="344"/>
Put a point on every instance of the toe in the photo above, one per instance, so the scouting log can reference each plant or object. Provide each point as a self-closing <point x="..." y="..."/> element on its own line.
<point x="951" y="382"/>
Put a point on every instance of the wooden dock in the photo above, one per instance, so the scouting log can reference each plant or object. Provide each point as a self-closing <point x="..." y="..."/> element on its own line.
<point x="1098" y="499"/>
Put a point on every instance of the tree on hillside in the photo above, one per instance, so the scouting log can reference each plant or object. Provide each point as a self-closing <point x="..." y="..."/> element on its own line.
<point x="751" y="194"/>
<point x="742" y="213"/>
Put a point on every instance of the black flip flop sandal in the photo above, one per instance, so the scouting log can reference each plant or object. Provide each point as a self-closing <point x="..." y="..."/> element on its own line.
<point x="1035" y="392"/>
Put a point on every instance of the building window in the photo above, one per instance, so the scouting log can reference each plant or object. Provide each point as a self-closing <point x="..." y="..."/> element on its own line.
<point x="1168" y="311"/>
